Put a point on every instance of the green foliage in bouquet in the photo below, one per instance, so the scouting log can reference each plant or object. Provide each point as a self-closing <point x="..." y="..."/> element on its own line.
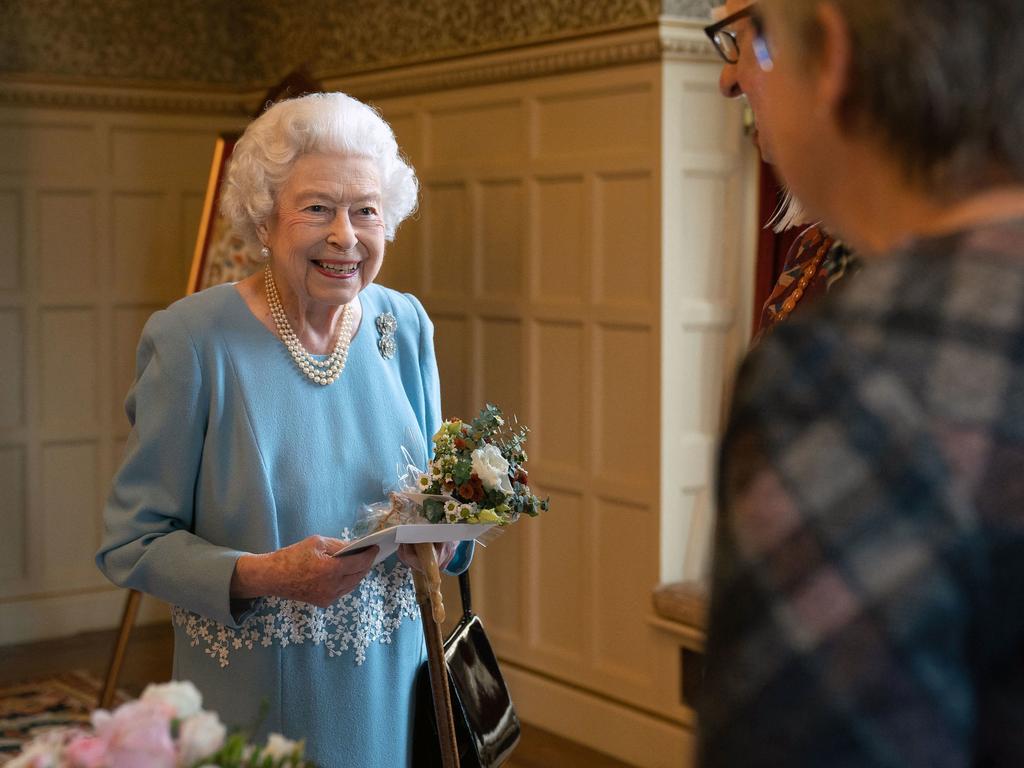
<point x="237" y="752"/>
<point x="480" y="468"/>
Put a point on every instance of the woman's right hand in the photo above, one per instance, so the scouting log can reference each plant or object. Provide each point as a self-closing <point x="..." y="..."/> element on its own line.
<point x="305" y="571"/>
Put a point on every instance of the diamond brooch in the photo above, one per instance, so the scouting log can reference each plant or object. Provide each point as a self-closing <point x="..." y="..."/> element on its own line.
<point x="386" y="327"/>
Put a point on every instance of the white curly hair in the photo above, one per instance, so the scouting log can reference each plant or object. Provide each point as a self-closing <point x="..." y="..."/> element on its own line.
<point x="320" y="122"/>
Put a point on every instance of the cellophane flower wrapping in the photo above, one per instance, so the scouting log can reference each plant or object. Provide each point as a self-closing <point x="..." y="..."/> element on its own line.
<point x="165" y="728"/>
<point x="477" y="475"/>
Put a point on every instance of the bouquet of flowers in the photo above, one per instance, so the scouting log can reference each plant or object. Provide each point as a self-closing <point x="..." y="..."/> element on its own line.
<point x="166" y="728"/>
<point x="477" y="475"/>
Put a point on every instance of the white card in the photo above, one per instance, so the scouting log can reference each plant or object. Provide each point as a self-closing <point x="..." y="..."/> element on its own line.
<point x="388" y="539"/>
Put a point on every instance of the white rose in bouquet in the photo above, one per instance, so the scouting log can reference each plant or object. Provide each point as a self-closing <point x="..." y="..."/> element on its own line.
<point x="200" y="736"/>
<point x="279" y="748"/>
<point x="183" y="698"/>
<point x="492" y="469"/>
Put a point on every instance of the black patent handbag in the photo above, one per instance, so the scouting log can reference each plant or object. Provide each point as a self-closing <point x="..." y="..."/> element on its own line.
<point x="486" y="726"/>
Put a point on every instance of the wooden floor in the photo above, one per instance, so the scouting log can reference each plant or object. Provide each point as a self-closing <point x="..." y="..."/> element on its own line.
<point x="149" y="660"/>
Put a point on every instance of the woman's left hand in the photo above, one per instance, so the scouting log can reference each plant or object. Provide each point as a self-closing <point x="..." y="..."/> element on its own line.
<point x="445" y="552"/>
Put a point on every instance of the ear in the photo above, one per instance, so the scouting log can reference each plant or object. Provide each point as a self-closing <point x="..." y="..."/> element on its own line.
<point x="833" y="71"/>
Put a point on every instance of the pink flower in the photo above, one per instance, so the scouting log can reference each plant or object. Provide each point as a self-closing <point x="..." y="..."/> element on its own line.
<point x="86" y="752"/>
<point x="137" y="734"/>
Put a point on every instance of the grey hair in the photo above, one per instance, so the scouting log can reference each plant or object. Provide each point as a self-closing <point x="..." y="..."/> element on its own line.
<point x="789" y="213"/>
<point x="321" y="122"/>
<point x="940" y="82"/>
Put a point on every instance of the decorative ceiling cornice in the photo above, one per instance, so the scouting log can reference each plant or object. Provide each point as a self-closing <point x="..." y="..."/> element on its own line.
<point x="674" y="39"/>
<point x="684" y="39"/>
<point x="122" y="98"/>
<point x="615" y="49"/>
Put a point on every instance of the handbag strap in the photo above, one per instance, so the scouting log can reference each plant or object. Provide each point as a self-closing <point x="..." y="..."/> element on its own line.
<point x="464" y="593"/>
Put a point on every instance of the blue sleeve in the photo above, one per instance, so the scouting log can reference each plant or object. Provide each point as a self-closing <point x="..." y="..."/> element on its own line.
<point x="430" y="412"/>
<point x="462" y="560"/>
<point x="148" y="543"/>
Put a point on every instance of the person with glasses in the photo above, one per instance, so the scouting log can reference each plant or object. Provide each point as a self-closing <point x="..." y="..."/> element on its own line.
<point x="817" y="260"/>
<point x="868" y="576"/>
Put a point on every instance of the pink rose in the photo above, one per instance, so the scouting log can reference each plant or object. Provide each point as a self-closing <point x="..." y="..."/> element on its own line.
<point x="137" y="734"/>
<point x="86" y="752"/>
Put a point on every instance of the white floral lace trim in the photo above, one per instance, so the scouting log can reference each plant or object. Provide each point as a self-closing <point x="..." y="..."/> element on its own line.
<point x="369" y="614"/>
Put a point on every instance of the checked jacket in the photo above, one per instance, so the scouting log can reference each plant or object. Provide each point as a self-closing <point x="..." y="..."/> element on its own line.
<point x="868" y="587"/>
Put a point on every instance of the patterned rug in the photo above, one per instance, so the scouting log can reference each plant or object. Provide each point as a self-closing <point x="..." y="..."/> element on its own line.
<point x="31" y="707"/>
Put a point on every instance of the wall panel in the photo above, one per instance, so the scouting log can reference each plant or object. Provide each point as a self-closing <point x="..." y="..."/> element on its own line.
<point x="559" y="208"/>
<point x="559" y="438"/>
<point x="502" y="377"/>
<point x="446" y="216"/>
<point x="556" y="634"/>
<point x="60" y="149"/>
<point x="68" y="355"/>
<point x="12" y="383"/>
<point x="625" y="257"/>
<point x="191" y="206"/>
<point x="11" y="242"/>
<point x="502" y="224"/>
<point x="71" y="527"/>
<point x="496" y="133"/>
<point x="13" y="511"/>
<point x="158" y="156"/>
<point x="67" y="268"/>
<point x="500" y="598"/>
<point x="453" y="345"/>
<point x="404" y="258"/>
<point x="593" y="122"/>
<point x="141" y="250"/>
<point x="626" y="385"/>
<point x="620" y="626"/>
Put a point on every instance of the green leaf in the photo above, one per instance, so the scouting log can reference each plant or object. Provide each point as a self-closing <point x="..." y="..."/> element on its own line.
<point x="433" y="510"/>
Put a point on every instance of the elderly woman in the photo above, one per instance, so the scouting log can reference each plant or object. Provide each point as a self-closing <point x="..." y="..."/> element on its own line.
<point x="264" y="414"/>
<point x="867" y="605"/>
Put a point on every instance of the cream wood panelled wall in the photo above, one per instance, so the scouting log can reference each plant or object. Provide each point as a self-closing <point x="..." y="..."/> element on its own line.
<point x="98" y="218"/>
<point x="580" y="248"/>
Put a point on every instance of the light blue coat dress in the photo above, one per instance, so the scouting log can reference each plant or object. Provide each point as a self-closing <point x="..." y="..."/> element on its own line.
<point x="233" y="451"/>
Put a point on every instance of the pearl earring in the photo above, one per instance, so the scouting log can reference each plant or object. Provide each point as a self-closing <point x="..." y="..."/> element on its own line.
<point x="264" y="253"/>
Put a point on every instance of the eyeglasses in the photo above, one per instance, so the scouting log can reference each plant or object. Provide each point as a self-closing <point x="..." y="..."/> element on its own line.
<point x="728" y="46"/>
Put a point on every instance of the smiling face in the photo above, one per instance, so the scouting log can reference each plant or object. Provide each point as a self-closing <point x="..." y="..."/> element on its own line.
<point x="326" y="234"/>
<point x="745" y="77"/>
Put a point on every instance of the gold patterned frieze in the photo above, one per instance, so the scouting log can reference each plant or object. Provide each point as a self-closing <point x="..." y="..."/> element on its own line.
<point x="252" y="43"/>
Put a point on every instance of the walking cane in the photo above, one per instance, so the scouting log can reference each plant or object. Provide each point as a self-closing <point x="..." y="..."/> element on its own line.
<point x="428" y="595"/>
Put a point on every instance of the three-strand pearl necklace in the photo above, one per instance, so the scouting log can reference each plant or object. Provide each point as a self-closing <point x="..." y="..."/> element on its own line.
<point x="321" y="372"/>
